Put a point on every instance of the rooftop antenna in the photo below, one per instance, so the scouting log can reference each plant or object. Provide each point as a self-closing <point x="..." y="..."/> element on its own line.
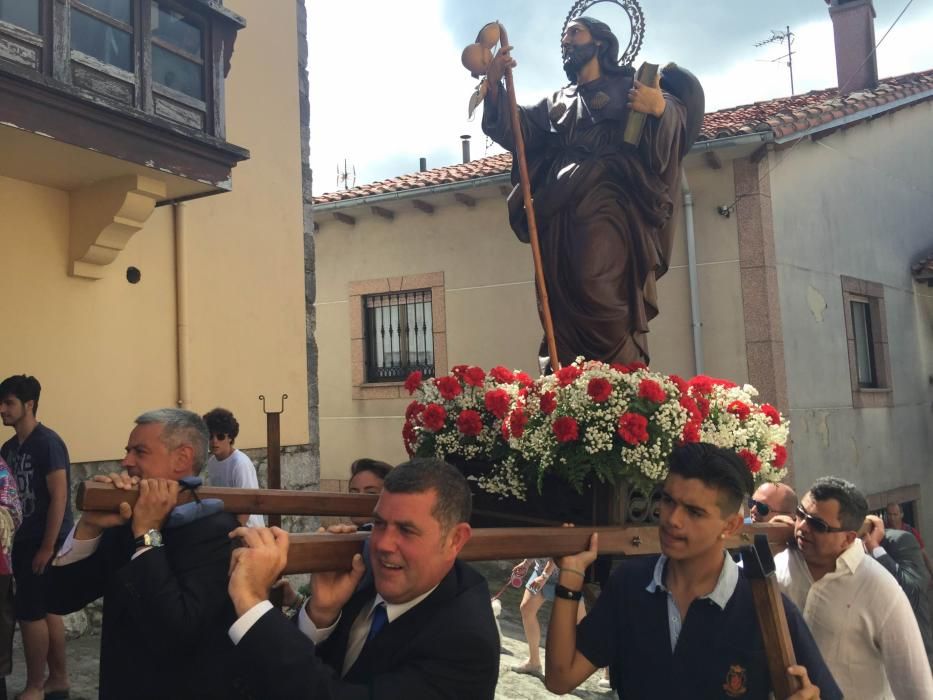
<point x="780" y="37"/>
<point x="345" y="177"/>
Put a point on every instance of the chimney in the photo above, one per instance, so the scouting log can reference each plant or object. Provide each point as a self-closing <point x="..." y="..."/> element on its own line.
<point x="854" y="30"/>
<point x="465" y="141"/>
<point x="422" y="164"/>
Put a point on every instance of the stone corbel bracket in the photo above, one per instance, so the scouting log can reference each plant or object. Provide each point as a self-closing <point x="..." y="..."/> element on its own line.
<point x="104" y="216"/>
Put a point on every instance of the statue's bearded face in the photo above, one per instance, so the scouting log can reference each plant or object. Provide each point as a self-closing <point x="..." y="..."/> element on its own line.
<point x="577" y="56"/>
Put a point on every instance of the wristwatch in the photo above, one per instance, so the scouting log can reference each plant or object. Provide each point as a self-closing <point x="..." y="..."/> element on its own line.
<point x="151" y="538"/>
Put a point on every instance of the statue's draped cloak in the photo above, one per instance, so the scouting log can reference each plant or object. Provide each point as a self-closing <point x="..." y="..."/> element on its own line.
<point x="604" y="210"/>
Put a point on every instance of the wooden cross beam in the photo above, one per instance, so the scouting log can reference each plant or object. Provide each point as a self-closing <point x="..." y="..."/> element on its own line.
<point x="325" y="552"/>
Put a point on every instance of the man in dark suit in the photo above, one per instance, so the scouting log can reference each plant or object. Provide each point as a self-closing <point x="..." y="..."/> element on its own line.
<point x="899" y="552"/>
<point x="421" y="628"/>
<point x="165" y="608"/>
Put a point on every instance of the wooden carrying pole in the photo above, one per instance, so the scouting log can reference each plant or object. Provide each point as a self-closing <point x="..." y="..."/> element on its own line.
<point x="104" y="497"/>
<point x="525" y="183"/>
<point x="273" y="453"/>
<point x="311" y="553"/>
<point x="779" y="647"/>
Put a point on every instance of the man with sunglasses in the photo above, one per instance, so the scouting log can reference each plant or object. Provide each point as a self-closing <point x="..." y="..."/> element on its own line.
<point x="857" y="612"/>
<point x="771" y="500"/>
<point x="227" y="466"/>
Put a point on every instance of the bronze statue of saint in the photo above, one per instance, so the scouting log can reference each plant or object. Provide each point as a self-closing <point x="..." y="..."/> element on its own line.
<point x="605" y="209"/>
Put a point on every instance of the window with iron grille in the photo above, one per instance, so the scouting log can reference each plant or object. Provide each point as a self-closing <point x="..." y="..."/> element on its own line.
<point x="399" y="332"/>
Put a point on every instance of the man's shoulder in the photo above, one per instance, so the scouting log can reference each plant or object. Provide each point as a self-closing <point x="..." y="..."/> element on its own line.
<point x="44" y="432"/>
<point x="241" y="458"/>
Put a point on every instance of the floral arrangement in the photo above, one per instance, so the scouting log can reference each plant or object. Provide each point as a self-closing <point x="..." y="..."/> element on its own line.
<point x="587" y="420"/>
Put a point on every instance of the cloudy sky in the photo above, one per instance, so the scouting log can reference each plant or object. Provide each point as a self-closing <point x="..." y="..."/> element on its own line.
<point x="387" y="86"/>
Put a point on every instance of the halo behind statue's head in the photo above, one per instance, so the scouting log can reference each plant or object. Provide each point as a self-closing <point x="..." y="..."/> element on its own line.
<point x="636" y="20"/>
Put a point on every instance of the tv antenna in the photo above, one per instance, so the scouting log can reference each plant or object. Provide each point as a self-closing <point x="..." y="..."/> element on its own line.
<point x="345" y="177"/>
<point x="779" y="37"/>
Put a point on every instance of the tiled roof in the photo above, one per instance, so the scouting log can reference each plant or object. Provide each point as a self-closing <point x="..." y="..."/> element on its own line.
<point x="923" y="269"/>
<point x="782" y="117"/>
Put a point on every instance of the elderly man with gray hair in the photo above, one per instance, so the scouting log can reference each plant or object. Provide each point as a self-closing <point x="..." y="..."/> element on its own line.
<point x="163" y="579"/>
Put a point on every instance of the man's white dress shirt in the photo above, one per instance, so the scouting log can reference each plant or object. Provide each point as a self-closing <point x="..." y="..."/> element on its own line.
<point x="862" y="623"/>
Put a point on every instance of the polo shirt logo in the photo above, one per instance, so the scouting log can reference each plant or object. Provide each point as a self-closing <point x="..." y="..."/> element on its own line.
<point x="735" y="682"/>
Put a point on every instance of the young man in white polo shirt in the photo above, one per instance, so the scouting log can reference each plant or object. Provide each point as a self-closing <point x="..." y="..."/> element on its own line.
<point x="858" y="614"/>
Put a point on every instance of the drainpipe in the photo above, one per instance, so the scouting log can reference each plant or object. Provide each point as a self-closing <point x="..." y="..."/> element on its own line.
<point x="695" y="323"/>
<point x="181" y="303"/>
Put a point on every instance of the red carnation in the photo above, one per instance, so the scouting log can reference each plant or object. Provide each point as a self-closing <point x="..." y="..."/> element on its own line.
<point x="634" y="366"/>
<point x="548" y="402"/>
<point x="413" y="382"/>
<point x="690" y="406"/>
<point x="567" y="375"/>
<point x="703" y="404"/>
<point x="524" y="379"/>
<point x="458" y="371"/>
<point x="751" y="461"/>
<point x="433" y="417"/>
<point x="651" y="390"/>
<point x="679" y="383"/>
<point x="599" y="389"/>
<point x="773" y="414"/>
<point x="633" y="428"/>
<point x="414" y="408"/>
<point x="619" y="368"/>
<point x="502" y="374"/>
<point x="497" y="402"/>
<point x="701" y="384"/>
<point x="474" y="376"/>
<point x="566" y="429"/>
<point x="739" y="409"/>
<point x="449" y="387"/>
<point x="780" y="456"/>
<point x="469" y="422"/>
<point x="517" y="422"/>
<point x="692" y="431"/>
<point x="409" y="436"/>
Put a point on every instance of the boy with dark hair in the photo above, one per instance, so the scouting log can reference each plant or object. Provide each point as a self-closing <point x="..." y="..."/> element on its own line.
<point x="227" y="466"/>
<point x="38" y="458"/>
<point x="711" y="644"/>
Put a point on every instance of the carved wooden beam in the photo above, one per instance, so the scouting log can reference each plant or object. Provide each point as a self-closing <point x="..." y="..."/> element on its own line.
<point x="326" y="552"/>
<point x="387" y="214"/>
<point x="104" y="216"/>
<point x="96" y="496"/>
<point x="713" y="161"/>
<point x="421" y="205"/>
<point x="465" y="199"/>
<point x="345" y="218"/>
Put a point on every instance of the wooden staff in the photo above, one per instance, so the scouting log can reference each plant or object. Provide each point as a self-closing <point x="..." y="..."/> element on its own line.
<point x="324" y="552"/>
<point x="779" y="647"/>
<point x="525" y="183"/>
<point x="273" y="453"/>
<point x="93" y="495"/>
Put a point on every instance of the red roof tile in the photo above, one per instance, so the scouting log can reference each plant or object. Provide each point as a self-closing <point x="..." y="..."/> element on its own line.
<point x="782" y="117"/>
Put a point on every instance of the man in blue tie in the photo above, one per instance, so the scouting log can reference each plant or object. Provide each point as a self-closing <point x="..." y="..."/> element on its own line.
<point x="420" y="627"/>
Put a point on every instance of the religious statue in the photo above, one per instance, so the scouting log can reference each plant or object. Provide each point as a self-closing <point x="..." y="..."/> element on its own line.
<point x="605" y="209"/>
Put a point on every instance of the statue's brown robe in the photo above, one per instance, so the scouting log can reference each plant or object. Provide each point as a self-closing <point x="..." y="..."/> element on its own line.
<point x="604" y="209"/>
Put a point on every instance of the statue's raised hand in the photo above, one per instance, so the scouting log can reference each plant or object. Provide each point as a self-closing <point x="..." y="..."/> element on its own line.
<point x="647" y="98"/>
<point x="500" y="63"/>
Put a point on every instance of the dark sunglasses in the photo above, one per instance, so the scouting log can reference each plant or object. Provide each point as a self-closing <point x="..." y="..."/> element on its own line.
<point x="219" y="436"/>
<point x="764" y="508"/>
<point x="817" y="524"/>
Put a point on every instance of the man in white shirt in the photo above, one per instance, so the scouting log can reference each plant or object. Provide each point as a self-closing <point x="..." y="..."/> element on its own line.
<point x="858" y="614"/>
<point x="227" y="466"/>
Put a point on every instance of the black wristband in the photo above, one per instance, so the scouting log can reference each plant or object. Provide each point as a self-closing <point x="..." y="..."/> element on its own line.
<point x="567" y="594"/>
